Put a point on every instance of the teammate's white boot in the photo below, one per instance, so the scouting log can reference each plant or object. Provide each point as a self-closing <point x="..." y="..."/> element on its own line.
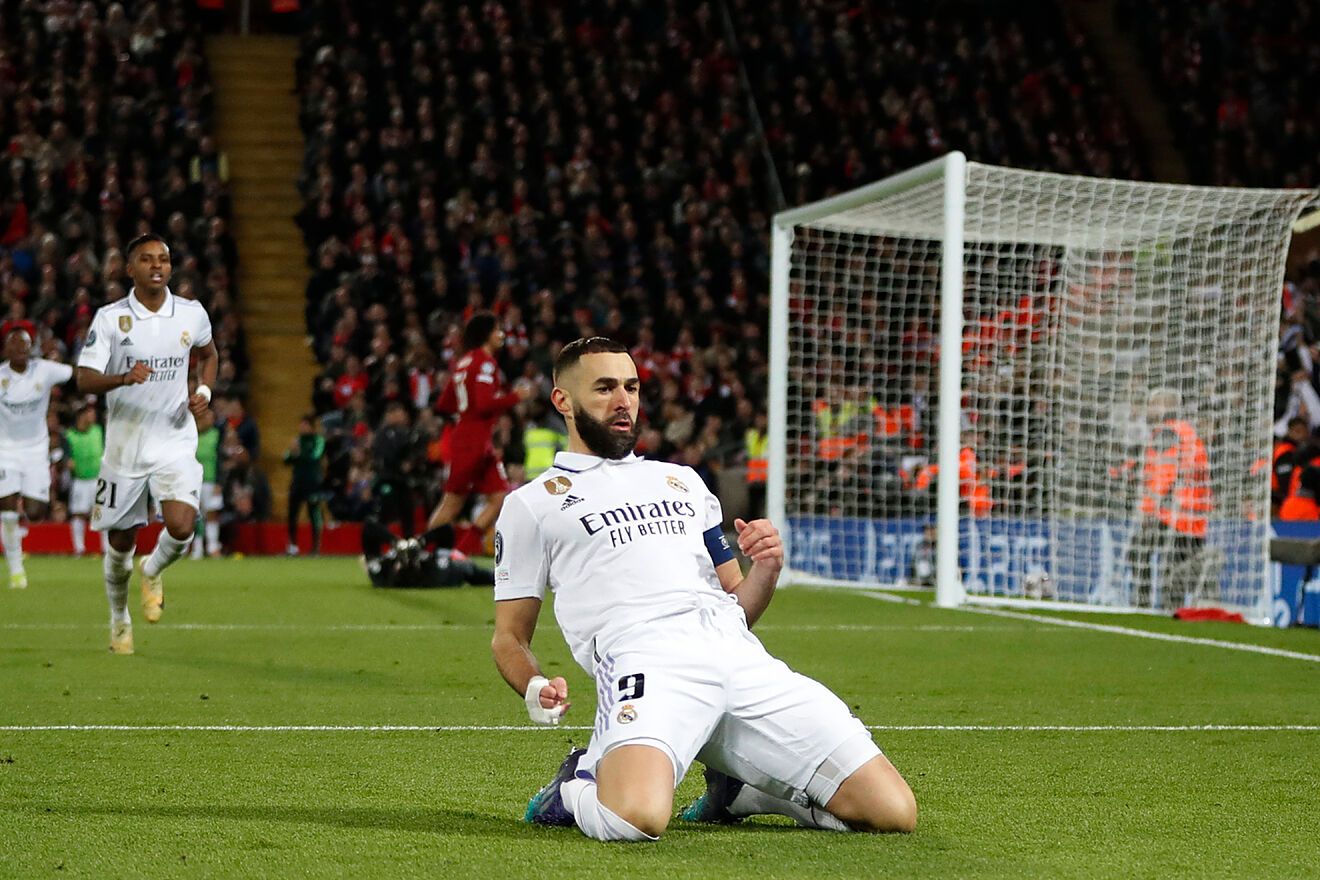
<point x="153" y="593"/>
<point x="121" y="638"/>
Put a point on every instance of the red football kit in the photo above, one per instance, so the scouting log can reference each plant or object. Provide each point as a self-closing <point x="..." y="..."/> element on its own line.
<point x="478" y="395"/>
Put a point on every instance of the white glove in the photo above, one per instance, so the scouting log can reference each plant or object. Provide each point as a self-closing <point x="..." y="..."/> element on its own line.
<point x="538" y="713"/>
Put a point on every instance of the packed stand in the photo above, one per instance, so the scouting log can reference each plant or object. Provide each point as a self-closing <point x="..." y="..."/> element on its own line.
<point x="105" y="118"/>
<point x="1234" y="76"/>
<point x="851" y="93"/>
<point x="1295" y="465"/>
<point x="597" y="170"/>
<point x="577" y="171"/>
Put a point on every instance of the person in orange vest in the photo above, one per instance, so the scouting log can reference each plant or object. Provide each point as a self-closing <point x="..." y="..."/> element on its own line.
<point x="1176" y="502"/>
<point x="1303" y="501"/>
<point x="1288" y="452"/>
<point x="973" y="493"/>
<point x="1300" y="480"/>
<point x="841" y="418"/>
<point x="757" y="447"/>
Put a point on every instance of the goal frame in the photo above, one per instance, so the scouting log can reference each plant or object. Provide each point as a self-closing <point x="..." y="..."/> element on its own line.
<point x="953" y="170"/>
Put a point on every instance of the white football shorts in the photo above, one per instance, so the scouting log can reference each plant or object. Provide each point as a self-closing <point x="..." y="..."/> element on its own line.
<point x="702" y="686"/>
<point x="82" y="496"/>
<point x="26" y="471"/>
<point x="121" y="502"/>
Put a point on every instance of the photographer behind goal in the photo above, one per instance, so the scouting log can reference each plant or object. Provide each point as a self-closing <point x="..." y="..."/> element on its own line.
<point x="424" y="561"/>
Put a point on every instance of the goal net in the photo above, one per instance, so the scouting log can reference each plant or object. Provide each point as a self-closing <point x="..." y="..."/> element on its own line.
<point x="1027" y="386"/>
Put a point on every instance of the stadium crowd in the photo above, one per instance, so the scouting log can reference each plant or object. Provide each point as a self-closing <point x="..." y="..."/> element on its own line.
<point x="105" y="121"/>
<point x="1233" y="76"/>
<point x="598" y="168"/>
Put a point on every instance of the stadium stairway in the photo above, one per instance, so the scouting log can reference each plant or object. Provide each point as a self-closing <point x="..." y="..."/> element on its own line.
<point x="1118" y="53"/>
<point x="256" y="116"/>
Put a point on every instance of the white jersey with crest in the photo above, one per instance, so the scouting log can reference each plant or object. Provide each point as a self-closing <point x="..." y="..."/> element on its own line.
<point x="623" y="544"/>
<point x="24" y="400"/>
<point x="147" y="425"/>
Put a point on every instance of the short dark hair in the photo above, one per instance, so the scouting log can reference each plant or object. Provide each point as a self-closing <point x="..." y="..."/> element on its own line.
<point x="572" y="353"/>
<point x="141" y="240"/>
<point x="478" y="330"/>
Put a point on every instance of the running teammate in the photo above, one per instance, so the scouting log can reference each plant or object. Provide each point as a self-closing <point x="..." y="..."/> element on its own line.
<point x="137" y="355"/>
<point x="25" y="386"/>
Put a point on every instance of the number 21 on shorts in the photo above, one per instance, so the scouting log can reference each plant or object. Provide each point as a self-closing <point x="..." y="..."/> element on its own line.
<point x="101" y="488"/>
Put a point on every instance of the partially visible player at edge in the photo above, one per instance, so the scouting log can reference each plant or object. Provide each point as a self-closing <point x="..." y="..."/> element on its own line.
<point x="654" y="605"/>
<point x="478" y="395"/>
<point x="86" y="440"/>
<point x="25" y="385"/>
<point x="137" y="354"/>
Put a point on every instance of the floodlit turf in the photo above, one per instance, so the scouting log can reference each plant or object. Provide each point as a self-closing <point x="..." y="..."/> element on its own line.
<point x="265" y="643"/>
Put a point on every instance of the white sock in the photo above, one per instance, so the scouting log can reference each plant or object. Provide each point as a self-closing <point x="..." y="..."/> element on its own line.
<point x="596" y="820"/>
<point x="197" y="545"/>
<point x="212" y="535"/>
<point x="168" y="549"/>
<point x="79" y="535"/>
<point x="118" y="569"/>
<point x="12" y="536"/>
<point x="753" y="802"/>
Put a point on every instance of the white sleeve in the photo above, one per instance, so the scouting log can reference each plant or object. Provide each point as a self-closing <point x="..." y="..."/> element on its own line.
<point x="521" y="565"/>
<point x="59" y="373"/>
<point x="95" y="354"/>
<point x="1312" y="401"/>
<point x="203" y="335"/>
<point x="712" y="512"/>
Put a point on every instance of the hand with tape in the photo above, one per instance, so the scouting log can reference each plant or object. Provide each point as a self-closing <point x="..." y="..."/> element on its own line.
<point x="547" y="700"/>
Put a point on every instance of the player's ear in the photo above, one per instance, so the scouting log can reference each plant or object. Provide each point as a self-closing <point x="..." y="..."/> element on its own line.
<point x="563" y="404"/>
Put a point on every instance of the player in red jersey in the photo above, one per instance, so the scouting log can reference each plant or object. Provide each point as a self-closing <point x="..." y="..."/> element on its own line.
<point x="478" y="395"/>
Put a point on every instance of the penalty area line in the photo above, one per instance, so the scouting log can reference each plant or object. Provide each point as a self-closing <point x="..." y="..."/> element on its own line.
<point x="1145" y="634"/>
<point x="521" y="728"/>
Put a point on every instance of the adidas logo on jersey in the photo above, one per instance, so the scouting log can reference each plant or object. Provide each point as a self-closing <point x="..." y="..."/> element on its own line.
<point x="125" y="342"/>
<point x="570" y="501"/>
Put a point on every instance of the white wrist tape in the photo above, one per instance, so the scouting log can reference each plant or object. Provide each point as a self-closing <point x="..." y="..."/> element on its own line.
<point x="205" y="391"/>
<point x="538" y="713"/>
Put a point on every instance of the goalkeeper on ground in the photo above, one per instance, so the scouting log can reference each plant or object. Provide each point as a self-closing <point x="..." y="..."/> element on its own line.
<point x="417" y="562"/>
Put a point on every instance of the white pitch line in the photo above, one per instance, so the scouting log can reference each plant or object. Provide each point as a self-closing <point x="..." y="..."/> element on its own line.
<point x="432" y="627"/>
<point x="515" y="728"/>
<point x="1146" y="634"/>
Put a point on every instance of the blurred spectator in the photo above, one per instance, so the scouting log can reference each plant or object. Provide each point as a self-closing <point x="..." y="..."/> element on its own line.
<point x="306" y="455"/>
<point x="246" y="491"/>
<point x="393" y="452"/>
<point x="207" y="539"/>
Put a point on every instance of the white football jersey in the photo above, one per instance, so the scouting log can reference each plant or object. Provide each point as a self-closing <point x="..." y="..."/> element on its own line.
<point x="621" y="543"/>
<point x="24" y="400"/>
<point x="147" y="425"/>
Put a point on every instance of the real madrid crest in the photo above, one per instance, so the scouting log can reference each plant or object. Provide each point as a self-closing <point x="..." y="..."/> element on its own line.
<point x="125" y="323"/>
<point x="185" y="339"/>
<point x="558" y="485"/>
<point x="676" y="483"/>
<point x="627" y="714"/>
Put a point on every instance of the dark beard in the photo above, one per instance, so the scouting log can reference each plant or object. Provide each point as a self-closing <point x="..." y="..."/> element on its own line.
<point x="603" y="440"/>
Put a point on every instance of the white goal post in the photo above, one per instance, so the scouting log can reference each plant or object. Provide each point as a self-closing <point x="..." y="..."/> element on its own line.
<point x="1020" y="386"/>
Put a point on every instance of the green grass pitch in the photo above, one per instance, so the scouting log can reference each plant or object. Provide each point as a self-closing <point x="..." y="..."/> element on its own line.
<point x="263" y="644"/>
